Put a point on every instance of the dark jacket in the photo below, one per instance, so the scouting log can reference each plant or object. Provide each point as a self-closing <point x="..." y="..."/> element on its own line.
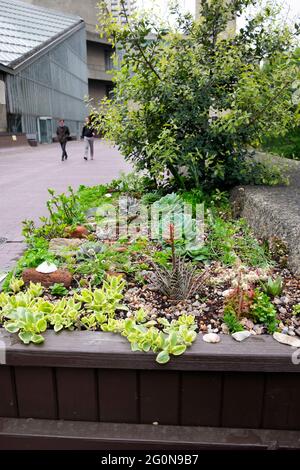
<point x="87" y="131"/>
<point x="62" y="133"/>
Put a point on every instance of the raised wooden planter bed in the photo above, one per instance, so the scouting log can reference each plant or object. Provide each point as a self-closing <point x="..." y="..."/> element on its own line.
<point x="87" y="390"/>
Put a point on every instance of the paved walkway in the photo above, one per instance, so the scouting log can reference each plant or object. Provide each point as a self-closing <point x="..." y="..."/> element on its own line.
<point x="27" y="172"/>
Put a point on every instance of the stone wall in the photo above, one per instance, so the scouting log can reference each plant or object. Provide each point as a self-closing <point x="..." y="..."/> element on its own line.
<point x="272" y="212"/>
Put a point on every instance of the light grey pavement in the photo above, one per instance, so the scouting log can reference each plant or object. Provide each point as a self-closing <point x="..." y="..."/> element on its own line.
<point x="27" y="172"/>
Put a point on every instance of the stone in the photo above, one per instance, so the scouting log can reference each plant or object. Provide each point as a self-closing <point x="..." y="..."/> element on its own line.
<point x="225" y="329"/>
<point x="284" y="300"/>
<point x="79" y="232"/>
<point x="120" y="249"/>
<point x="297" y="331"/>
<point x="46" y="268"/>
<point x="211" y="338"/>
<point x="64" y="246"/>
<point x="282" y="310"/>
<point x="258" y="329"/>
<point x="291" y="331"/>
<point x="61" y="276"/>
<point x="286" y="339"/>
<point x="285" y="330"/>
<point x="241" y="335"/>
<point x="247" y="323"/>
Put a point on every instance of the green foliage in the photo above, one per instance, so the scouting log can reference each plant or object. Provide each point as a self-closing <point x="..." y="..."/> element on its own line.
<point x="287" y="145"/>
<point x="272" y="287"/>
<point x="33" y="257"/>
<point x="58" y="289"/>
<point x="65" y="314"/>
<point x="92" y="196"/>
<point x="64" y="211"/>
<point x="35" y="290"/>
<point x="105" y="300"/>
<point x="264" y="311"/>
<point x="296" y="309"/>
<point x="130" y="183"/>
<point x="29" y="325"/>
<point x="15" y="285"/>
<point x="89" y="250"/>
<point x="189" y="101"/>
<point x="173" y="340"/>
<point x="231" y="320"/>
<point x="229" y="240"/>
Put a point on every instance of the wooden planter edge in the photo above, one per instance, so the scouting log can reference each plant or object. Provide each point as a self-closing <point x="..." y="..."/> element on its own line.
<point x="87" y="349"/>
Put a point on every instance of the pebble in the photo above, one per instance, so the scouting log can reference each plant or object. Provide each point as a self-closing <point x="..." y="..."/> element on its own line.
<point x="225" y="329"/>
<point x="211" y="338"/>
<point x="282" y="310"/>
<point x="258" y="329"/>
<point x="247" y="323"/>
<point x="286" y="339"/>
<point x="241" y="335"/>
<point x="196" y="304"/>
<point x="284" y="300"/>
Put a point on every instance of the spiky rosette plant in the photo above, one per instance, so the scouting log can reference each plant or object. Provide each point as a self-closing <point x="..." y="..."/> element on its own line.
<point x="180" y="281"/>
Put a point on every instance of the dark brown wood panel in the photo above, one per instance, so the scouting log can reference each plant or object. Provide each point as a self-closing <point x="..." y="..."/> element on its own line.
<point x="282" y="402"/>
<point x="242" y="400"/>
<point x="77" y="393"/>
<point x="201" y="394"/>
<point x="159" y="397"/>
<point x="36" y="392"/>
<point x="118" y="396"/>
<point x="8" y="402"/>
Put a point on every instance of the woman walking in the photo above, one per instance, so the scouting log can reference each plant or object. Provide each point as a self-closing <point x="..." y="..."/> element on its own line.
<point x="88" y="136"/>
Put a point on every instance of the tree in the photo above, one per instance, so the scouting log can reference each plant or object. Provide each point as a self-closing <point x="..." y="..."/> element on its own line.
<point x="190" y="99"/>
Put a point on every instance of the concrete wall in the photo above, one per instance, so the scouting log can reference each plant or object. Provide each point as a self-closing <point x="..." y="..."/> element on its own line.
<point x="96" y="61"/>
<point x="86" y="9"/>
<point x="97" y="91"/>
<point x="3" y="121"/>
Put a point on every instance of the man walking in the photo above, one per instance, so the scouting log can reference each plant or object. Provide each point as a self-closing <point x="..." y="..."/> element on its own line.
<point x="63" y="133"/>
<point x="88" y="134"/>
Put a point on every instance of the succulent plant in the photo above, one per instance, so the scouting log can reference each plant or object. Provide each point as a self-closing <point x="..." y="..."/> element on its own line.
<point x="178" y="282"/>
<point x="89" y="250"/>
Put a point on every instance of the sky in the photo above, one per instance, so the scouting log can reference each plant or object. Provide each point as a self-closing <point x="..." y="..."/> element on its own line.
<point x="292" y="7"/>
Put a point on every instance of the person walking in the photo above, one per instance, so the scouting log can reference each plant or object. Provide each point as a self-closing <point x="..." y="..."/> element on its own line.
<point x="87" y="135"/>
<point x="63" y="133"/>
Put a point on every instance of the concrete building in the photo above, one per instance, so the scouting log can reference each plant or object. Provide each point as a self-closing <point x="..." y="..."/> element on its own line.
<point x="115" y="7"/>
<point x="99" y="51"/>
<point x="43" y="72"/>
